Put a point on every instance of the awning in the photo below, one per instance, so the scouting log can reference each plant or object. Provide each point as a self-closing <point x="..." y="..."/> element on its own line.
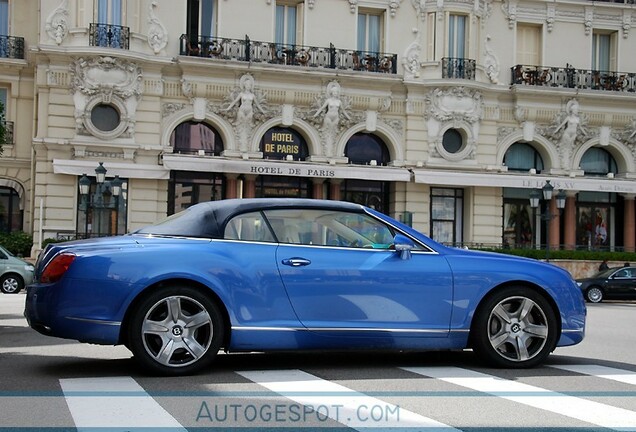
<point x="284" y="168"/>
<point x="452" y="178"/>
<point x="124" y="170"/>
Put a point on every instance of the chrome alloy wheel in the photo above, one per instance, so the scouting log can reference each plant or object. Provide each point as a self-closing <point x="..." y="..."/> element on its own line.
<point x="11" y="284"/>
<point x="517" y="328"/>
<point x="594" y="295"/>
<point x="177" y="331"/>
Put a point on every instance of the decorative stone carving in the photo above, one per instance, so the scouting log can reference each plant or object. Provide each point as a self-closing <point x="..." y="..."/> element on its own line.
<point x="170" y="108"/>
<point x="393" y="6"/>
<point x="157" y="33"/>
<point x="491" y="62"/>
<point x="550" y="16"/>
<point x="333" y="108"/>
<point x="240" y="106"/>
<point x="568" y="129"/>
<point x="57" y="23"/>
<point x="627" y="22"/>
<point x="458" y="108"/>
<point x="105" y="80"/>
<point x="509" y="9"/>
<point x="352" y="5"/>
<point x="411" y="58"/>
<point x="589" y="20"/>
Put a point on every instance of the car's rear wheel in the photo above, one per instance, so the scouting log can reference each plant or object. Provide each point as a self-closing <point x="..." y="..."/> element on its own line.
<point x="11" y="284"/>
<point x="515" y="328"/>
<point x="594" y="295"/>
<point x="176" y="330"/>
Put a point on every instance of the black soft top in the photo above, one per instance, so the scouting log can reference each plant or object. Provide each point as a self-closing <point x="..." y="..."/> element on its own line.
<point x="208" y="219"/>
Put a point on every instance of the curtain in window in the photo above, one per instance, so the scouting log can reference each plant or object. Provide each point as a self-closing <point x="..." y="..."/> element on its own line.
<point x="456" y="36"/>
<point x="280" y="24"/>
<point x="109" y="12"/>
<point x="601" y="47"/>
<point x="291" y="26"/>
<point x="598" y="161"/>
<point x="369" y="27"/>
<point x="4" y="17"/>
<point x="522" y="157"/>
<point x="207" y="18"/>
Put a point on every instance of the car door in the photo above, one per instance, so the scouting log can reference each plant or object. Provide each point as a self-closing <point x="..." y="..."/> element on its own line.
<point x="349" y="281"/>
<point x="622" y="284"/>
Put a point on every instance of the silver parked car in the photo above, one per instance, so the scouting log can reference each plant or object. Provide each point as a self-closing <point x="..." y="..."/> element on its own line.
<point x="15" y="272"/>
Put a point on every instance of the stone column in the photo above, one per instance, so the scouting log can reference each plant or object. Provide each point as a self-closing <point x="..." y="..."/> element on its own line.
<point x="317" y="186"/>
<point x="629" y="229"/>
<point x="249" y="187"/>
<point x="231" y="186"/>
<point x="569" y="215"/>
<point x="334" y="190"/>
<point x="555" y="232"/>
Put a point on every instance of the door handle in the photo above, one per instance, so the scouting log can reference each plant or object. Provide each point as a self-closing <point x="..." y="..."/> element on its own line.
<point x="296" y="262"/>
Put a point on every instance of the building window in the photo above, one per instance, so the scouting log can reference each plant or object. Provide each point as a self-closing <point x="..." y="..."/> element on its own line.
<point x="105" y="117"/>
<point x="604" y="51"/>
<point x="367" y="149"/>
<point x="196" y="138"/>
<point x="201" y="18"/>
<point x="283" y="187"/>
<point x="10" y="213"/>
<point x="447" y="215"/>
<point x="3" y="101"/>
<point x="523" y="157"/>
<point x="598" y="162"/>
<point x="102" y="213"/>
<point x="187" y="188"/>
<point x="518" y="223"/>
<point x="452" y="141"/>
<point x="370" y="193"/>
<point x="457" y="36"/>
<point x="595" y="212"/>
<point x="370" y="28"/>
<point x="109" y="11"/>
<point x="283" y="144"/>
<point x="528" y="45"/>
<point x="289" y="23"/>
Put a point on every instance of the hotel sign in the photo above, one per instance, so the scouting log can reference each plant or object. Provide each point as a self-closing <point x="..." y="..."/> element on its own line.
<point x="292" y="171"/>
<point x="280" y="143"/>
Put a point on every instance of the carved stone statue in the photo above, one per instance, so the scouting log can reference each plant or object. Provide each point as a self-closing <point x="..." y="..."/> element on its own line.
<point x="246" y="99"/>
<point x="572" y="127"/>
<point x="332" y="107"/>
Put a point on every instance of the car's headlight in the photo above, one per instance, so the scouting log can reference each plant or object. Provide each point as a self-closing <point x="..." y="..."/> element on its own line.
<point x="29" y="267"/>
<point x="580" y="284"/>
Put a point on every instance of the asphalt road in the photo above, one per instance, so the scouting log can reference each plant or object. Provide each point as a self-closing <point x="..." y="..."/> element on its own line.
<point x="63" y="385"/>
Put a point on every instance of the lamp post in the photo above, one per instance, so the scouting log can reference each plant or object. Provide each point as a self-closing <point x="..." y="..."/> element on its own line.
<point x="546" y="193"/>
<point x="100" y="200"/>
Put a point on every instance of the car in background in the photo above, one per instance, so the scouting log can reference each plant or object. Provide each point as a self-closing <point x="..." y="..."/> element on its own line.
<point x="298" y="274"/>
<point x="15" y="273"/>
<point x="617" y="283"/>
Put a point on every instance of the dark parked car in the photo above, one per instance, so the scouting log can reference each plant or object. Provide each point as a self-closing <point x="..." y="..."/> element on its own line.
<point x="618" y="283"/>
<point x="290" y="274"/>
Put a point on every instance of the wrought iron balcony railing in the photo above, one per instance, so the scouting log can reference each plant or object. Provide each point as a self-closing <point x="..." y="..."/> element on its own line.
<point x="291" y="55"/>
<point x="11" y="47"/>
<point x="569" y="77"/>
<point x="460" y="68"/>
<point x="8" y="132"/>
<point x="109" y="36"/>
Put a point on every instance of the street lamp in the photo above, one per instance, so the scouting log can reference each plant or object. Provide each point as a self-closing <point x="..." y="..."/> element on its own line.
<point x="546" y="192"/>
<point x="100" y="199"/>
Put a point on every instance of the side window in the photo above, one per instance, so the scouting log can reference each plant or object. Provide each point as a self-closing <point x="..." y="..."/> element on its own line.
<point x="248" y="227"/>
<point x="329" y="228"/>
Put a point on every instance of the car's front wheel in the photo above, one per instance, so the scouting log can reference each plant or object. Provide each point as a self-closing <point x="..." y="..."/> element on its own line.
<point x="594" y="295"/>
<point x="176" y="330"/>
<point x="11" y="284"/>
<point x="515" y="327"/>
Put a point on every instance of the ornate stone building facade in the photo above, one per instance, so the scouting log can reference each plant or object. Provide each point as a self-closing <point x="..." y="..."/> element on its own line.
<point x="446" y="114"/>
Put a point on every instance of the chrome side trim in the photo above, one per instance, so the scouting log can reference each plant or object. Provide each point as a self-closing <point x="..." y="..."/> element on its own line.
<point x="348" y="329"/>
<point x="95" y="321"/>
<point x="579" y="330"/>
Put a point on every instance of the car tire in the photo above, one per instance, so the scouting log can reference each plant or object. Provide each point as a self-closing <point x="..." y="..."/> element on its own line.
<point x="175" y="330"/>
<point x="594" y="295"/>
<point x="515" y="327"/>
<point x="11" y="284"/>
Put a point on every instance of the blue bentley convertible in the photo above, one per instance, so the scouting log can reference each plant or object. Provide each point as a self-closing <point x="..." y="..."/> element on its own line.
<point x="293" y="274"/>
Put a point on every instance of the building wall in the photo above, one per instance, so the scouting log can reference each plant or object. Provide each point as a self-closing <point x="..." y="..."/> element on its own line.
<point x="410" y="110"/>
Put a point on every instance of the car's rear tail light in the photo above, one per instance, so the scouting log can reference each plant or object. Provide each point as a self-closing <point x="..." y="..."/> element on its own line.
<point x="57" y="267"/>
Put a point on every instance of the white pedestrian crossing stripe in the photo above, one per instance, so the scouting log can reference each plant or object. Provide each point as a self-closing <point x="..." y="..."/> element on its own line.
<point x="581" y="409"/>
<point x="348" y="407"/>
<point x="116" y="403"/>
<point x="620" y="375"/>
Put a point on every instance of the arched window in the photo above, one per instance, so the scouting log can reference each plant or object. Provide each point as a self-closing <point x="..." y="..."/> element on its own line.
<point x="523" y="157"/>
<point x="362" y="148"/>
<point x="196" y="138"/>
<point x="598" y="162"/>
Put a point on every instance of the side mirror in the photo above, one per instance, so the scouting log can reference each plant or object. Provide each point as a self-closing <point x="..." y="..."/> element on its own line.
<point x="403" y="245"/>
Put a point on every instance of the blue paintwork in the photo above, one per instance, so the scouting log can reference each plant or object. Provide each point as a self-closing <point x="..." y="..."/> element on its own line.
<point x="343" y="298"/>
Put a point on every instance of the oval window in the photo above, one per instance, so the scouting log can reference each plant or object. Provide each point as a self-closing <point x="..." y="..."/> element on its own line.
<point x="452" y="141"/>
<point x="105" y="117"/>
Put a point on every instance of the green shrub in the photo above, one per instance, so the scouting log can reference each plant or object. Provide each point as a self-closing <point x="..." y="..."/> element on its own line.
<point x="18" y="243"/>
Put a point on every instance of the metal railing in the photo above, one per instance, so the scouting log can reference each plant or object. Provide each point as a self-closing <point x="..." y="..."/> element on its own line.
<point x="11" y="47"/>
<point x="109" y="36"/>
<point x="459" y="68"/>
<point x="248" y="50"/>
<point x="570" y="77"/>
